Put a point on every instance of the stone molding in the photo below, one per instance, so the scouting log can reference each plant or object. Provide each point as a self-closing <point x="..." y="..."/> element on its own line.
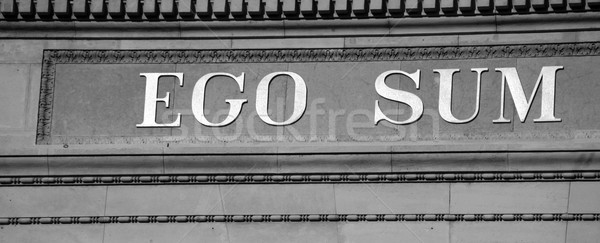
<point x="53" y="57"/>
<point x="276" y="218"/>
<point x="225" y="10"/>
<point x="301" y="178"/>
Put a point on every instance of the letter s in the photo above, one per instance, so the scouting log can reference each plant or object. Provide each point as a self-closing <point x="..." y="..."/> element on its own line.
<point x="407" y="98"/>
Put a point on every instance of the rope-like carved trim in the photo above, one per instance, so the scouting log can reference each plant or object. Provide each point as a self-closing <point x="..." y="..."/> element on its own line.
<point x="405" y="177"/>
<point x="536" y="217"/>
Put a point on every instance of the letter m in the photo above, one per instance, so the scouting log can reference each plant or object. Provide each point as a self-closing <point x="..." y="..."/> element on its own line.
<point x="547" y="79"/>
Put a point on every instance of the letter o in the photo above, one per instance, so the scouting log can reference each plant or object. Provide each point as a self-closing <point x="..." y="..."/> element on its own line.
<point x="262" y="98"/>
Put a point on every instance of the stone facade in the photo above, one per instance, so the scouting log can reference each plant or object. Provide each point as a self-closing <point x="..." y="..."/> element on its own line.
<point x="69" y="173"/>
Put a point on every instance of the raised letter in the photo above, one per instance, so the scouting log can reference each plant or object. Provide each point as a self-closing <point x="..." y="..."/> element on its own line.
<point x="198" y="100"/>
<point x="151" y="100"/>
<point x="445" y="99"/>
<point x="262" y="98"/>
<point x="410" y="99"/>
<point x="522" y="105"/>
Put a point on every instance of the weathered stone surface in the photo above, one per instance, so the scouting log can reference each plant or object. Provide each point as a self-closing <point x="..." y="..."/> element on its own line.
<point x="109" y="102"/>
<point x="449" y="161"/>
<point x="584" y="232"/>
<point x="555" y="160"/>
<point x="23" y="165"/>
<point x="584" y="197"/>
<point x="349" y="163"/>
<point x="220" y="164"/>
<point x="406" y="198"/>
<point x="278" y="199"/>
<point x="533" y="197"/>
<point x="164" y="200"/>
<point x="52" y="201"/>
<point x="396" y="41"/>
<point x="14" y="82"/>
<point x="202" y="232"/>
<point x="52" y="233"/>
<point x="58" y="165"/>
<point x="393" y="231"/>
<point x="507" y="231"/>
<point x="289" y="232"/>
<point x="288" y="43"/>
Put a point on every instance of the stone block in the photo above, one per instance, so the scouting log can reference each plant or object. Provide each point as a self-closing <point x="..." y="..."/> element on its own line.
<point x="73" y="233"/>
<point x="14" y="82"/>
<point x="81" y="9"/>
<point x="98" y="8"/>
<point x="278" y="199"/>
<point x="150" y="8"/>
<point x="116" y="8"/>
<point x="52" y="201"/>
<point x="348" y="163"/>
<point x="325" y="7"/>
<point x="275" y="232"/>
<point x="309" y="7"/>
<point x="404" y="198"/>
<point x="133" y="8"/>
<point x="521" y="197"/>
<point x="507" y="231"/>
<point x="21" y="51"/>
<point x="62" y="8"/>
<point x="164" y="200"/>
<point x="288" y="43"/>
<point x="182" y="233"/>
<point x="583" y="232"/>
<point x="220" y="164"/>
<point x="393" y="231"/>
<point x="44" y="8"/>
<point x="449" y="162"/>
<point x="342" y="7"/>
<point x="238" y="7"/>
<point x="255" y="8"/>
<point x="584" y="197"/>
<point x="59" y="165"/>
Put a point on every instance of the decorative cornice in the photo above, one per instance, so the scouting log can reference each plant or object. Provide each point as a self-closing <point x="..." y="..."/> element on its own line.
<point x="275" y="218"/>
<point x="54" y="57"/>
<point x="404" y="177"/>
<point x="225" y="10"/>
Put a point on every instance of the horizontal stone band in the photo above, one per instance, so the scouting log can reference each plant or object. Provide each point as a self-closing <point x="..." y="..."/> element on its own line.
<point x="119" y="10"/>
<point x="174" y="179"/>
<point x="297" y="218"/>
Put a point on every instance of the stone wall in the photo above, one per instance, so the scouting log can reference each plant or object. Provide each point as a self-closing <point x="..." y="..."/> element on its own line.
<point x="107" y="190"/>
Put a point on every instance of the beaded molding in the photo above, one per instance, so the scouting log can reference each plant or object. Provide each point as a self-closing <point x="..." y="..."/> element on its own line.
<point x="53" y="57"/>
<point x="298" y="218"/>
<point x="406" y="177"/>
